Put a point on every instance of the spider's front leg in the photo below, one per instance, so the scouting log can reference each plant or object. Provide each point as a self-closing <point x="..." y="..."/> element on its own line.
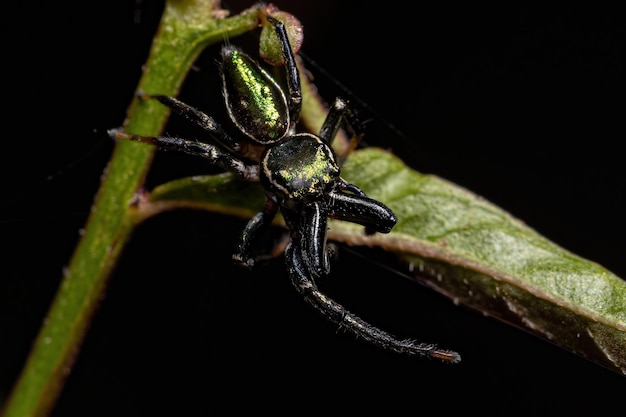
<point x="336" y="313"/>
<point x="308" y="228"/>
<point x="306" y="258"/>
<point x="356" y="207"/>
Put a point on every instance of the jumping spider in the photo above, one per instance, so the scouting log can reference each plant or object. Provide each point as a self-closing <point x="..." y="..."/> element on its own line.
<point x="299" y="172"/>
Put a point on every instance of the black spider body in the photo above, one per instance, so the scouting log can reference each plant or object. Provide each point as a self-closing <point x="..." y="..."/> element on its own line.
<point x="299" y="172"/>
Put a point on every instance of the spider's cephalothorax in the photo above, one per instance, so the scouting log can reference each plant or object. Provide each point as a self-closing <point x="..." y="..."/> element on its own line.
<point x="299" y="172"/>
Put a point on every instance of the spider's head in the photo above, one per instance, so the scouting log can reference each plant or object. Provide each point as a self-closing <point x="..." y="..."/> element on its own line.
<point x="300" y="169"/>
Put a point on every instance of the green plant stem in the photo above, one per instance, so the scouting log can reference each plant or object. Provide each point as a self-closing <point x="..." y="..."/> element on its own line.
<point x="186" y="28"/>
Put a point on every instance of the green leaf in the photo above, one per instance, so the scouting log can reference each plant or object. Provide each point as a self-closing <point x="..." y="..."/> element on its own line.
<point x="462" y="246"/>
<point x="480" y="256"/>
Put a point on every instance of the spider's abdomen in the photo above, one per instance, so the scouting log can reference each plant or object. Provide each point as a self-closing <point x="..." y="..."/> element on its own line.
<point x="299" y="169"/>
<point x="255" y="102"/>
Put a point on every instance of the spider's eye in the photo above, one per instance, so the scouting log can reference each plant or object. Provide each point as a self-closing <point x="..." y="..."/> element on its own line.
<point x="255" y="102"/>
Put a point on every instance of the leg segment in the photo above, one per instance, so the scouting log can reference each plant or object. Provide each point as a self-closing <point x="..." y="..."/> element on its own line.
<point x="357" y="208"/>
<point x="337" y="114"/>
<point x="308" y="227"/>
<point x="293" y="76"/>
<point x="197" y="117"/>
<point x="337" y="314"/>
<point x="207" y="151"/>
<point x="313" y="228"/>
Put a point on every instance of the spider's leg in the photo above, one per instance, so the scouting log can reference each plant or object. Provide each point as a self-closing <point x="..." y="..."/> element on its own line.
<point x="204" y="150"/>
<point x="360" y="209"/>
<point x="293" y="75"/>
<point x="312" y="238"/>
<point x="354" y="189"/>
<point x="337" y="314"/>
<point x="337" y="114"/>
<point x="196" y="116"/>
<point x="254" y="226"/>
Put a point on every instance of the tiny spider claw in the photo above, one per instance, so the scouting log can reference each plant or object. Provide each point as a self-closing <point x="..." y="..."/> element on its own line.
<point x="431" y="350"/>
<point x="446" y="355"/>
<point x="116" y="134"/>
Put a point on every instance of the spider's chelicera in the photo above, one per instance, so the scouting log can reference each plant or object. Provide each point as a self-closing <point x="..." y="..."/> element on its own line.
<point x="299" y="172"/>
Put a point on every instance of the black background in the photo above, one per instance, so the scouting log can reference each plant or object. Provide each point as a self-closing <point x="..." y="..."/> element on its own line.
<point x="522" y="105"/>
